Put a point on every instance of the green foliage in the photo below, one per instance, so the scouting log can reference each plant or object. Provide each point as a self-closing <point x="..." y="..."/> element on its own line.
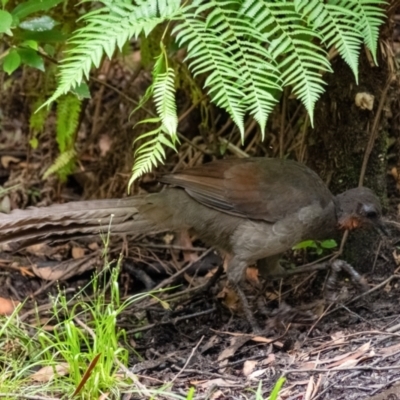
<point x="68" y="112"/>
<point x="37" y="122"/>
<point x="317" y="246"/>
<point x="277" y="388"/>
<point x="32" y="6"/>
<point x="163" y="91"/>
<point x="5" y="21"/>
<point x="84" y="327"/>
<point x="248" y="50"/>
<point x="63" y="165"/>
<point x="25" y="33"/>
<point x="107" y="29"/>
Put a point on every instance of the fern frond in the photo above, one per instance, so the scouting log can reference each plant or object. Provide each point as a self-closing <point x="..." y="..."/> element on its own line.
<point x="371" y="18"/>
<point x="259" y="76"/>
<point x="151" y="153"/>
<point x="68" y="110"/>
<point x="338" y="25"/>
<point x="107" y="29"/>
<point x="291" y="42"/>
<point x="38" y="119"/>
<point x="164" y="99"/>
<point x="208" y="54"/>
<point x="62" y="165"/>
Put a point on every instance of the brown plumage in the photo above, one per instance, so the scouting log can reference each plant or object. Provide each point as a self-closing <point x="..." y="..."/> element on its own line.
<point x="254" y="209"/>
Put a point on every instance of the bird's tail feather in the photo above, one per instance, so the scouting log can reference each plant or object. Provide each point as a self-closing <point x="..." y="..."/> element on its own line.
<point x="74" y="219"/>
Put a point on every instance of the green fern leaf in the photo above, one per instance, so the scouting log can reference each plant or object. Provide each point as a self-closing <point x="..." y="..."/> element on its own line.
<point x="68" y="111"/>
<point x="371" y="18"/>
<point x="291" y="42"/>
<point x="107" y="29"/>
<point x="163" y="89"/>
<point x="149" y="154"/>
<point x="338" y="25"/>
<point x="63" y="165"/>
<point x="207" y="54"/>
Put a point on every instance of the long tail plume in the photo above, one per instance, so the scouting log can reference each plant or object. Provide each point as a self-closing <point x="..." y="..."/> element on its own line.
<point x="73" y="219"/>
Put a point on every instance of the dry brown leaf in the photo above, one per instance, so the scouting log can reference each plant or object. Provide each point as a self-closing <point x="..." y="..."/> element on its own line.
<point x="309" y="365"/>
<point x="30" y="166"/>
<point x="347" y="363"/>
<point x="209" y="344"/>
<point x="271" y="296"/>
<point x="218" y="382"/>
<point x="310" y="389"/>
<point x="65" y="269"/>
<point x="197" y="382"/>
<point x="236" y="343"/>
<point x="269" y="360"/>
<point x="348" y="359"/>
<point x="248" y="367"/>
<point x="217" y="395"/>
<point x="7" y="160"/>
<point x="252" y="275"/>
<point x="77" y="252"/>
<point x="211" y="272"/>
<point x="105" y="143"/>
<point x="229" y="298"/>
<point x="7" y="306"/>
<point x="48" y="373"/>
<point x="257" y="374"/>
<point x="390" y="350"/>
<point x="261" y="339"/>
<point x="40" y="249"/>
<point x="94" y="246"/>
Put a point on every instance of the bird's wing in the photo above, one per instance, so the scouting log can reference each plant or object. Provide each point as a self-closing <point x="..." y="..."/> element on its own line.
<point x="257" y="188"/>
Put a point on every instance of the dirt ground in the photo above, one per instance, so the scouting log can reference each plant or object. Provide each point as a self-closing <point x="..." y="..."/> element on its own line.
<point x="347" y="349"/>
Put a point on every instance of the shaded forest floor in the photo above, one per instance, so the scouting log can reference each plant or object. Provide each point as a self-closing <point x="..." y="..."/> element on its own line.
<point x="347" y="349"/>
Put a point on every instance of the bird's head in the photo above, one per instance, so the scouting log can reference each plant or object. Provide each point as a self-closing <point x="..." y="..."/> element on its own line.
<point x="360" y="208"/>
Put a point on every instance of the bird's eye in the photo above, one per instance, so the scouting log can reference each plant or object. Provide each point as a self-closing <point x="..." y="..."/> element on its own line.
<point x="371" y="214"/>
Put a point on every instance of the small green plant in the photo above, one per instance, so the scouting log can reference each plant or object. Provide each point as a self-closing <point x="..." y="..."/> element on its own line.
<point x="85" y="338"/>
<point x="318" y="247"/>
<point x="275" y="390"/>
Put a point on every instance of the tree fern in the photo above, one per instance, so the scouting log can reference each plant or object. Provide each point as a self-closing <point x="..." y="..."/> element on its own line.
<point x="371" y="16"/>
<point x="206" y="49"/>
<point x="248" y="50"/>
<point x="217" y="40"/>
<point x="290" y="42"/>
<point x="345" y="24"/>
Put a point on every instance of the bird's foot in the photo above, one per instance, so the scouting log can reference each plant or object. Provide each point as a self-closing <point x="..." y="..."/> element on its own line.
<point x="247" y="310"/>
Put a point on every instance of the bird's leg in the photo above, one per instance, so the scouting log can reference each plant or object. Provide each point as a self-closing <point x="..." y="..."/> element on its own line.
<point x="236" y="271"/>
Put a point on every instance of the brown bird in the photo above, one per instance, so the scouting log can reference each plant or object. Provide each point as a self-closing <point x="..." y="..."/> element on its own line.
<point x="254" y="209"/>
